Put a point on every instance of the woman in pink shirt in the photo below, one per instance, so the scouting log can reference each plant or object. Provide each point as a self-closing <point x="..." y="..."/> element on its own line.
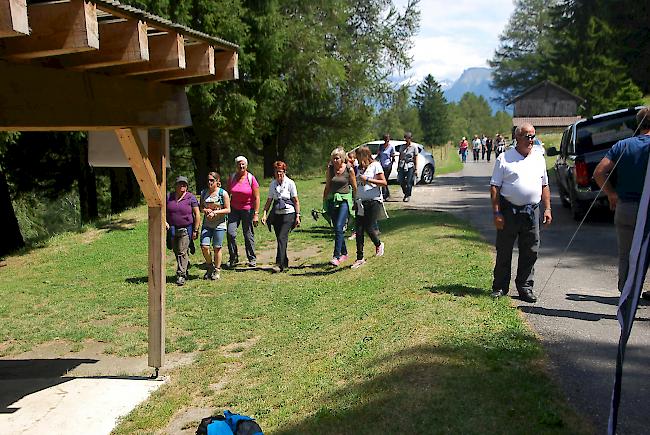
<point x="244" y="208"/>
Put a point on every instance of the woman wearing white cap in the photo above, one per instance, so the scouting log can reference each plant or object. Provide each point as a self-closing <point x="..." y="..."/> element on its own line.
<point x="244" y="208"/>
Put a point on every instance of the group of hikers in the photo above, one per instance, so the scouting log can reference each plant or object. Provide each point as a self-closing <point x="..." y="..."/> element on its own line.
<point x="482" y="147"/>
<point x="356" y="185"/>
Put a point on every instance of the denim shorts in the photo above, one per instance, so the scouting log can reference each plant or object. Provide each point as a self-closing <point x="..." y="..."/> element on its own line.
<point x="214" y="235"/>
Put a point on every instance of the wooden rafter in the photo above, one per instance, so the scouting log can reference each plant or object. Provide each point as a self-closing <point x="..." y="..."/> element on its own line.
<point x="199" y="59"/>
<point x="57" y="28"/>
<point x="166" y="53"/>
<point x="142" y="167"/>
<point x="13" y="18"/>
<point x="225" y="66"/>
<point x="119" y="43"/>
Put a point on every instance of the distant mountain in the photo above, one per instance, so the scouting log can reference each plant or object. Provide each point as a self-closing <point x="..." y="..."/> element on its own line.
<point x="477" y="81"/>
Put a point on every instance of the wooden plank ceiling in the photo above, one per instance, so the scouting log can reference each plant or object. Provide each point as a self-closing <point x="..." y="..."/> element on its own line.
<point x="111" y="39"/>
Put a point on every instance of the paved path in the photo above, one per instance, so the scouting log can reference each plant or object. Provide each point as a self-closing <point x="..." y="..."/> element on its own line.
<point x="576" y="312"/>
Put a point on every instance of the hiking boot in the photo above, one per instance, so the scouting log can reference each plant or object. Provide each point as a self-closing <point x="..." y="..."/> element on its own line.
<point x="357" y="264"/>
<point x="180" y="280"/>
<point x="379" y="250"/>
<point x="216" y="274"/>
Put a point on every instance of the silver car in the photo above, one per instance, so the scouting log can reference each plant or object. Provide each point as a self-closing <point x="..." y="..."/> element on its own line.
<point x="425" y="165"/>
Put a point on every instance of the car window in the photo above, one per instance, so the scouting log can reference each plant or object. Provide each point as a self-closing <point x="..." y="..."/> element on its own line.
<point x="398" y="148"/>
<point x="563" y="143"/>
<point x="374" y="148"/>
<point x="603" y="133"/>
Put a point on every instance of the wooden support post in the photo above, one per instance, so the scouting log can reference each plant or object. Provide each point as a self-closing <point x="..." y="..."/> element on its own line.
<point x="157" y="146"/>
<point x="13" y="18"/>
<point x="142" y="168"/>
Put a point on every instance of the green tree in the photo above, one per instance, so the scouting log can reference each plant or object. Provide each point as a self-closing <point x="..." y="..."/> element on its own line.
<point x="518" y="61"/>
<point x="399" y="117"/>
<point x="432" y="111"/>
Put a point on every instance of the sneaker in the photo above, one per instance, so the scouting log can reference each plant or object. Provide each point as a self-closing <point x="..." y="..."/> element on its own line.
<point x="343" y="258"/>
<point x="357" y="264"/>
<point x="353" y="236"/>
<point x="335" y="261"/>
<point x="276" y="269"/>
<point x="233" y="262"/>
<point x="216" y="274"/>
<point x="252" y="263"/>
<point x="180" y="280"/>
<point x="406" y="199"/>
<point x="379" y="250"/>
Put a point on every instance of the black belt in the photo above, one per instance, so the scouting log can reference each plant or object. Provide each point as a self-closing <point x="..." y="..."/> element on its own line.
<point x="528" y="209"/>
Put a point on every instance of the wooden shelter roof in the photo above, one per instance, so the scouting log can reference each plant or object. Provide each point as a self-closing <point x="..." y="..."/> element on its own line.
<point x="93" y="57"/>
<point x="546" y="84"/>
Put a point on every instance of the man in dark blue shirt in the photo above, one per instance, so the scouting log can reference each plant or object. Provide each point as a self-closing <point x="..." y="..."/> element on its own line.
<point x="632" y="157"/>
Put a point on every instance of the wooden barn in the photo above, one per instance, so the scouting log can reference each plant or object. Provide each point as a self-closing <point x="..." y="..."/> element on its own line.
<point x="549" y="107"/>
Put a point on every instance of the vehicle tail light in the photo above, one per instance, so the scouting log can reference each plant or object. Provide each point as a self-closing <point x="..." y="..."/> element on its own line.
<point x="582" y="174"/>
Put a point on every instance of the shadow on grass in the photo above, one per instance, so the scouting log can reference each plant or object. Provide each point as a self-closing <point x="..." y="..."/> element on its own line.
<point x="469" y="389"/>
<point x="116" y="225"/>
<point x="405" y="220"/>
<point x="457" y="290"/>
<point x="169" y="279"/>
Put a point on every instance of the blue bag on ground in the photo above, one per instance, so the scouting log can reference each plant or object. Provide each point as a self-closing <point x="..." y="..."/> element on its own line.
<point x="229" y="424"/>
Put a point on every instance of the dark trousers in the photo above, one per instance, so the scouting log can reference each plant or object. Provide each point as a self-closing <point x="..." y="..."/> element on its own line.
<point x="282" y="224"/>
<point x="368" y="223"/>
<point x="624" y="221"/>
<point x="339" y="217"/>
<point x="475" y="154"/>
<point x="181" y="246"/>
<point x="483" y="151"/>
<point x="245" y="217"/>
<point x="384" y="190"/>
<point x="406" y="177"/>
<point x="526" y="229"/>
<point x="489" y="153"/>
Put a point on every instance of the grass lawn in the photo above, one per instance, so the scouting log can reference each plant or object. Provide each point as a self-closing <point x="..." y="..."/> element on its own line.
<point x="410" y="343"/>
<point x="447" y="159"/>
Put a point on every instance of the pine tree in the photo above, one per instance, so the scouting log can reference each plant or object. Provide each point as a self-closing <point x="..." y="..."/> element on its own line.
<point x="432" y="111"/>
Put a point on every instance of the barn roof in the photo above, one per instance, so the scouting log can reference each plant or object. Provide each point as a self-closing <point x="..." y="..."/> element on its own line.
<point x="546" y="84"/>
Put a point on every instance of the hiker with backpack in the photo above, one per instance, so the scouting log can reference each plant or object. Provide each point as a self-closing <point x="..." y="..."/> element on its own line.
<point x="215" y="204"/>
<point x="244" y="209"/>
<point x="282" y="211"/>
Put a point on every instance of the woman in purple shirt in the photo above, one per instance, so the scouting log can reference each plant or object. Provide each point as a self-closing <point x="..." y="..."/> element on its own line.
<point x="183" y="219"/>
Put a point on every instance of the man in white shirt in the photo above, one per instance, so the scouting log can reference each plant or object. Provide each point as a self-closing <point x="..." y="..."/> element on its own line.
<point x="518" y="183"/>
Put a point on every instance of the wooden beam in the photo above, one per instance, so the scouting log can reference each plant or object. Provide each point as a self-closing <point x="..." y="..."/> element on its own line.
<point x="199" y="59"/>
<point x="166" y="53"/>
<point x="157" y="237"/>
<point x="139" y="162"/>
<point x="120" y="43"/>
<point x="37" y="98"/>
<point x="13" y="18"/>
<point x="57" y="28"/>
<point x="226" y="68"/>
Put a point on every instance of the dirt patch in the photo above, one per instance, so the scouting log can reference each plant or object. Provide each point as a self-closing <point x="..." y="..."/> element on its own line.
<point x="267" y="256"/>
<point x="185" y="421"/>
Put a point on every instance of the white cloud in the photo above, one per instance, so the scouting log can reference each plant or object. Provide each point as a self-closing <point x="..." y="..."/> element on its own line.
<point x="456" y="35"/>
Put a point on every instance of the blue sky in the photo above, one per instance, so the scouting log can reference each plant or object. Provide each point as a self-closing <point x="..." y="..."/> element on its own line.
<point x="455" y="35"/>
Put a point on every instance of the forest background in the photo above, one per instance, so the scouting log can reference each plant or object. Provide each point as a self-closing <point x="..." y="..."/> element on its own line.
<point x="316" y="75"/>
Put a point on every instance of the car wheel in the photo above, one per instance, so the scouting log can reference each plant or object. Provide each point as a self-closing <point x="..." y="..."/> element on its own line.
<point x="564" y="196"/>
<point x="427" y="175"/>
<point x="577" y="208"/>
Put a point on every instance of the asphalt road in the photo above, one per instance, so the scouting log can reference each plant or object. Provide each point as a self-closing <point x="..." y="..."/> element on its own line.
<point x="575" y="315"/>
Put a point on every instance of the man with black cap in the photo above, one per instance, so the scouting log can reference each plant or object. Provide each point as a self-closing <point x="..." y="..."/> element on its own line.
<point x="183" y="219"/>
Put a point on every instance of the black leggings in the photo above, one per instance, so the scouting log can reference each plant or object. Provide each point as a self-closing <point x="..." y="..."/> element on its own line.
<point x="368" y="223"/>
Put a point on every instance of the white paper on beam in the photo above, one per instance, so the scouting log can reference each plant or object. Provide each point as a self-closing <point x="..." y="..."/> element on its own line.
<point x="105" y="151"/>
